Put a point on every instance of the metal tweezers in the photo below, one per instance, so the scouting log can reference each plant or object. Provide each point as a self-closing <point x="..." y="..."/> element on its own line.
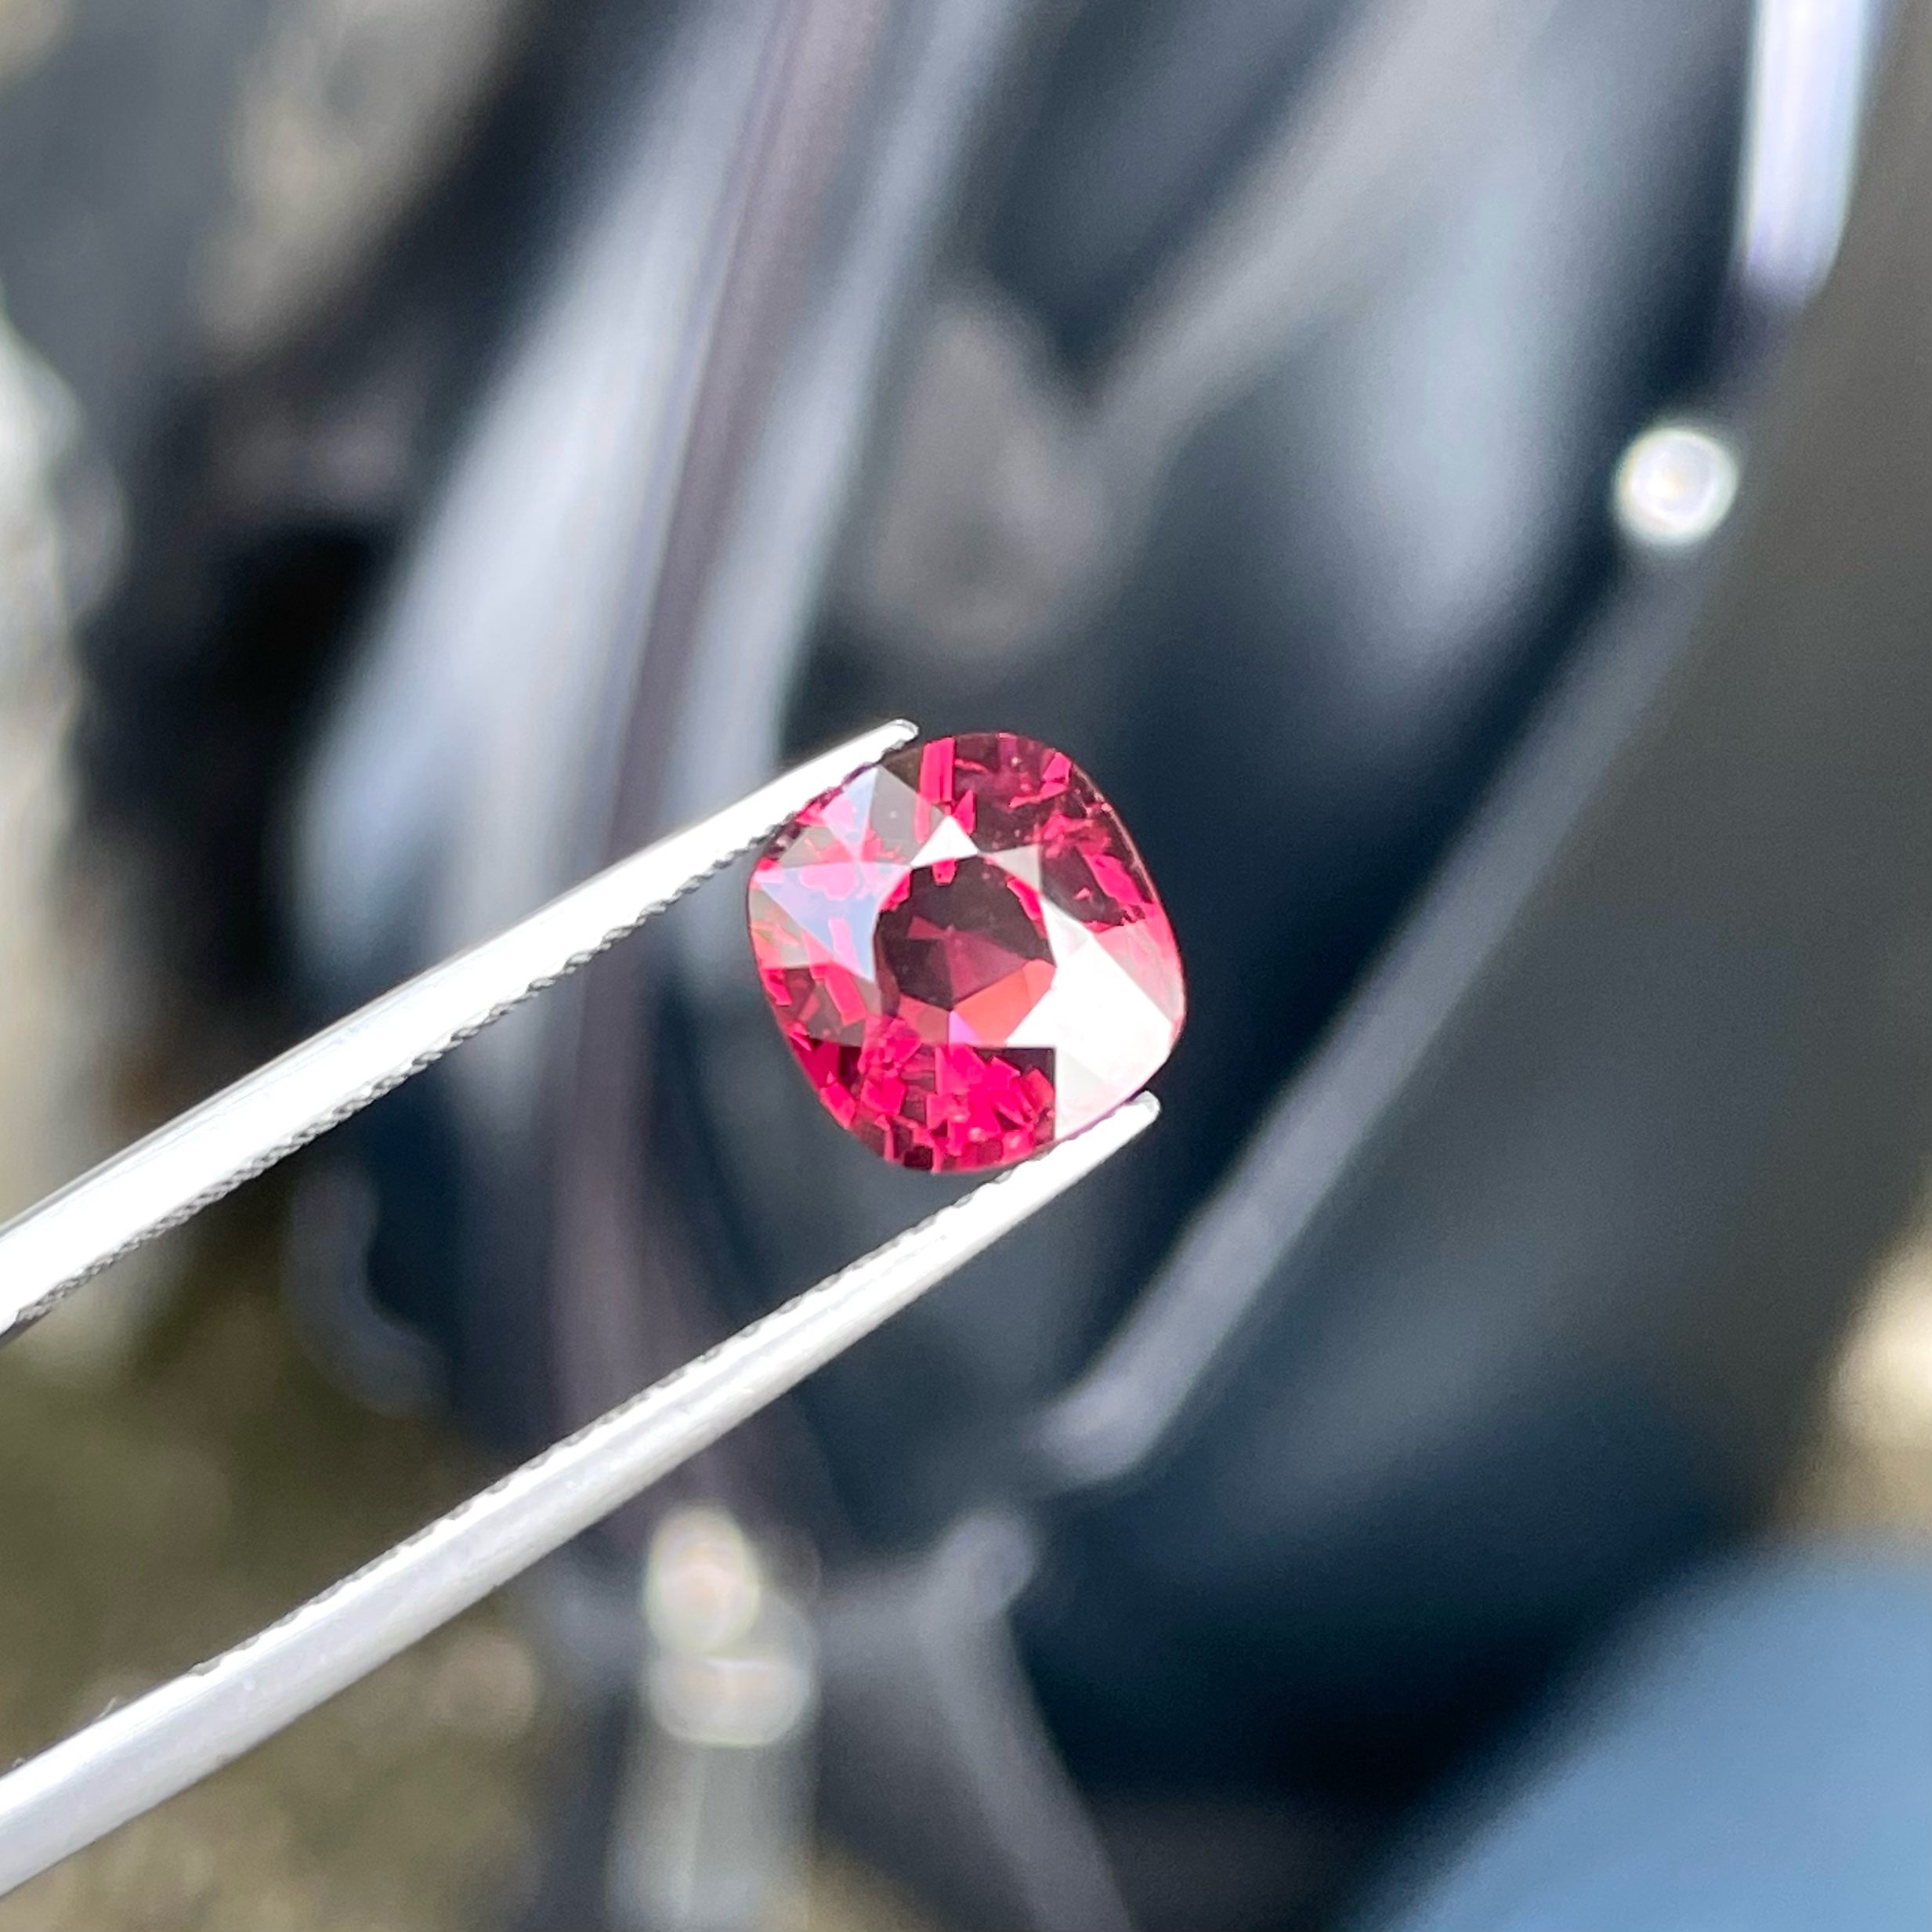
<point x="146" y="1751"/>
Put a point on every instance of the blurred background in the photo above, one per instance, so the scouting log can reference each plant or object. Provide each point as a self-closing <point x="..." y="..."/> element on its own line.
<point x="1458" y="473"/>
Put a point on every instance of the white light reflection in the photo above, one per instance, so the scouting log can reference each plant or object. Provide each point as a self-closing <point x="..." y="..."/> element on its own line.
<point x="1674" y="486"/>
<point x="1809" y="63"/>
<point x="704" y="1587"/>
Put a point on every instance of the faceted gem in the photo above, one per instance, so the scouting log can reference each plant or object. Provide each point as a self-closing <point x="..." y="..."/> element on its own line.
<point x="965" y="953"/>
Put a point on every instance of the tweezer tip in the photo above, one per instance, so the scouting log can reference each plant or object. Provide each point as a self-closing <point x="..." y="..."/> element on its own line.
<point x="1136" y="1116"/>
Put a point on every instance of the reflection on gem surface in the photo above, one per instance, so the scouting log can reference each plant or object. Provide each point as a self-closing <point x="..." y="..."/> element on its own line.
<point x="965" y="953"/>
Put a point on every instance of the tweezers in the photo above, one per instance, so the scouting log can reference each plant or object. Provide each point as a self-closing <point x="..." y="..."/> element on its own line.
<point x="146" y="1751"/>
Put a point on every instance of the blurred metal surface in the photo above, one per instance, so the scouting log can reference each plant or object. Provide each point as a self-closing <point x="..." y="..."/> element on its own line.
<point x="1810" y="66"/>
<point x="136" y="1757"/>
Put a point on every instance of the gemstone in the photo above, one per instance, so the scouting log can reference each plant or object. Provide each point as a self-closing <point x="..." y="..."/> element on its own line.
<point x="965" y="953"/>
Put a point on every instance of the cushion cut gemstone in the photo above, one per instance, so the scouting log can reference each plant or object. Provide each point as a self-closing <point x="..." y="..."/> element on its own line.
<point x="965" y="953"/>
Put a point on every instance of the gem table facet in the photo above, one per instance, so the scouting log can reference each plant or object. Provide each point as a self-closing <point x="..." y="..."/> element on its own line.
<point x="965" y="953"/>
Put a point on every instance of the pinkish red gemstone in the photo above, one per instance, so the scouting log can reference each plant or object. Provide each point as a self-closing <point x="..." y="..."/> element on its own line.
<point x="965" y="952"/>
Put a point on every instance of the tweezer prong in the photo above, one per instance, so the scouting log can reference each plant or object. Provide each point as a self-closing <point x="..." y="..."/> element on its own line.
<point x="245" y="1129"/>
<point x="145" y="1752"/>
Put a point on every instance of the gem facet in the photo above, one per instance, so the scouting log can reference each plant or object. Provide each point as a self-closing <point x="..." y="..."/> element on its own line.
<point x="965" y="953"/>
